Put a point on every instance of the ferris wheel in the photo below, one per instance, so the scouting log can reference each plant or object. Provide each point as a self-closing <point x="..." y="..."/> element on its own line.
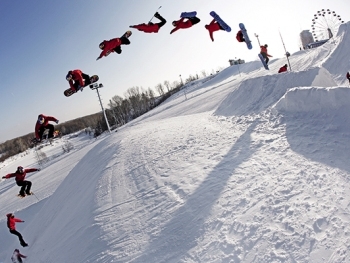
<point x="325" y="24"/>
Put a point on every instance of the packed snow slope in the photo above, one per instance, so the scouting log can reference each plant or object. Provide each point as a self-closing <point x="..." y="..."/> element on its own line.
<point x="244" y="166"/>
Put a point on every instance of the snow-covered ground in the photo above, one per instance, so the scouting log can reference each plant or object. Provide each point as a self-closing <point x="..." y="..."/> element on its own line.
<point x="249" y="166"/>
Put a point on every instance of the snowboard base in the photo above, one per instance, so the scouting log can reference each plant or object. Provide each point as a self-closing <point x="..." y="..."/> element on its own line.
<point x="263" y="61"/>
<point x="21" y="196"/>
<point x="220" y="21"/>
<point x="188" y="14"/>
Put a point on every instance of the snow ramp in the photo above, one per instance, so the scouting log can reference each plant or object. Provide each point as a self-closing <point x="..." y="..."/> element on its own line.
<point x="257" y="94"/>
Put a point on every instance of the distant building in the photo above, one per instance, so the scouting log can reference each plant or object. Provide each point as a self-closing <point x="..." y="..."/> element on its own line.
<point x="306" y="38"/>
<point x="317" y="44"/>
<point x="236" y="62"/>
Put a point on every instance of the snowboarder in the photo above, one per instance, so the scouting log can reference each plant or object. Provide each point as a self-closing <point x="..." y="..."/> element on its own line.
<point x="77" y="79"/>
<point x="263" y="52"/>
<point x="212" y="27"/>
<point x="348" y="76"/>
<point x="20" y="175"/>
<point x="17" y="256"/>
<point x="11" y="224"/>
<point x="113" y="45"/>
<point x="240" y="36"/>
<point x="42" y="124"/>
<point x="151" y="27"/>
<point x="190" y="21"/>
<point x="283" y="69"/>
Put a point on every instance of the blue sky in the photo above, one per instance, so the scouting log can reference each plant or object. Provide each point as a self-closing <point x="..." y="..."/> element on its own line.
<point x="42" y="40"/>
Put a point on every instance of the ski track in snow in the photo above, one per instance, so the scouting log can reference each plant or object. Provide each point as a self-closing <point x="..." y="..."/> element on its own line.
<point x="249" y="167"/>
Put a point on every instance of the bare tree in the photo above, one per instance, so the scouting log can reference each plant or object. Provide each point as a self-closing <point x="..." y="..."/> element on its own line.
<point x="160" y="89"/>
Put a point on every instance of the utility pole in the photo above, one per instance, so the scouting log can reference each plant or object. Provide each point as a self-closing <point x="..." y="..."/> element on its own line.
<point x="96" y="86"/>
<point x="257" y="37"/>
<point x="287" y="53"/>
<point x="182" y="84"/>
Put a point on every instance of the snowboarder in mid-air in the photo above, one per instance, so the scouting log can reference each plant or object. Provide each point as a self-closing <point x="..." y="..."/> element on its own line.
<point x="190" y="21"/>
<point x="263" y="52"/>
<point x="151" y="27"/>
<point x="20" y="176"/>
<point x="113" y="45"/>
<point x="283" y="69"/>
<point x="77" y="80"/>
<point x="17" y="256"/>
<point x="42" y="124"/>
<point x="11" y="224"/>
<point x="212" y="27"/>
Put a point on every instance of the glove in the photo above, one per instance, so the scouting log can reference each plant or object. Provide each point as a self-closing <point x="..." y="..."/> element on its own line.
<point x="98" y="58"/>
<point x="3" y="177"/>
<point x="57" y="121"/>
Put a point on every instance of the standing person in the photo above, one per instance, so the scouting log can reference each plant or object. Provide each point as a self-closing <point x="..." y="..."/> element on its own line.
<point x="212" y="27"/>
<point x="263" y="52"/>
<point x="113" y="45"/>
<point x="151" y="27"/>
<point x="77" y="79"/>
<point x="42" y="124"/>
<point x="11" y="224"/>
<point x="348" y="76"/>
<point x="20" y="176"/>
<point x="17" y="256"/>
<point x="190" y="21"/>
<point x="283" y="69"/>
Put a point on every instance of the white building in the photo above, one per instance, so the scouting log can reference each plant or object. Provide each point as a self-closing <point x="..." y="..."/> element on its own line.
<point x="306" y="38"/>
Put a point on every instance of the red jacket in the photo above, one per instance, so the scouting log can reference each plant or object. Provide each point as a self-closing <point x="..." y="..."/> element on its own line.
<point x="20" y="177"/>
<point x="239" y="36"/>
<point x="76" y="76"/>
<point x="11" y="221"/>
<point x="181" y="24"/>
<point x="148" y="28"/>
<point x="212" y="27"/>
<point x="109" y="46"/>
<point x="283" y="69"/>
<point x="263" y="49"/>
<point x="46" y="122"/>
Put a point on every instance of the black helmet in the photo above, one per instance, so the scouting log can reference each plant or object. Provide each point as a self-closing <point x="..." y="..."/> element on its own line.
<point x="286" y="65"/>
<point x="266" y="45"/>
<point x="20" y="169"/>
<point x="102" y="45"/>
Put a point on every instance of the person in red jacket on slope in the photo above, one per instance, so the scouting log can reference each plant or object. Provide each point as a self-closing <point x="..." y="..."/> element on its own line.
<point x="17" y="256"/>
<point x="263" y="52"/>
<point x="212" y="27"/>
<point x="20" y="176"/>
<point x="283" y="69"/>
<point x="190" y="21"/>
<point x="151" y="27"/>
<point x="113" y="45"/>
<point x="11" y="224"/>
<point x="42" y="124"/>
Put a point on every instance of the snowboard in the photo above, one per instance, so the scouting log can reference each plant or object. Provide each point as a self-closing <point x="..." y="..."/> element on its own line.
<point x="263" y="61"/>
<point x="20" y="196"/>
<point x="127" y="34"/>
<point x="220" y="21"/>
<point x="69" y="92"/>
<point x="188" y="14"/>
<point x="245" y="35"/>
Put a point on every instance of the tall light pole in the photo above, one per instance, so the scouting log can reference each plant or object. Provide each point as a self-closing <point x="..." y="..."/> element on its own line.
<point x="257" y="37"/>
<point x="96" y="86"/>
<point x="182" y="86"/>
